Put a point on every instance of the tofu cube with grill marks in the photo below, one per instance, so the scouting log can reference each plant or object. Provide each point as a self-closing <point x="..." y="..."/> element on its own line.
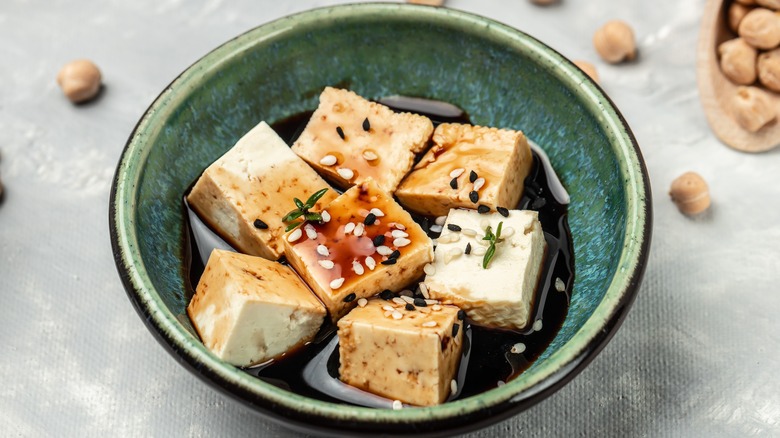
<point x="256" y="179"/>
<point x="349" y="139"/>
<point x="248" y="310"/>
<point x="346" y="262"/>
<point x="412" y="359"/>
<point x="500" y="159"/>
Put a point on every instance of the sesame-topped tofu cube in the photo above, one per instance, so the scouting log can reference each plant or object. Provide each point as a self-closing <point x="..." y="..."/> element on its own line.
<point x="349" y="139"/>
<point x="501" y="295"/>
<point x="246" y="192"/>
<point x="369" y="244"/>
<point x="400" y="354"/>
<point x="248" y="310"/>
<point x="468" y="167"/>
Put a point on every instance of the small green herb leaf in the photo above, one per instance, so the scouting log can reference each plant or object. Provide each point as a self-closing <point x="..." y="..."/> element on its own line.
<point x="291" y="216"/>
<point x="292" y="226"/>
<point x="299" y="203"/>
<point x="313" y="217"/>
<point x="314" y="198"/>
<point x="493" y="238"/>
<point x="491" y="251"/>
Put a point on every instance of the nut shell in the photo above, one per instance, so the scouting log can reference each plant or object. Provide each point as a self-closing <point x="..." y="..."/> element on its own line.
<point x="769" y="69"/>
<point x="753" y="108"/>
<point x="80" y="80"/>
<point x="738" y="61"/>
<point x="761" y="29"/>
<point x="614" y="42"/>
<point x="588" y="68"/>
<point x="690" y="193"/>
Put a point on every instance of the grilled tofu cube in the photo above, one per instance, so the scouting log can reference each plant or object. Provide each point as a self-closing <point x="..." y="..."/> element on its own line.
<point x="255" y="180"/>
<point x="413" y="358"/>
<point x="468" y="166"/>
<point x="248" y="310"/>
<point x="502" y="295"/>
<point x="349" y="139"/>
<point x="369" y="244"/>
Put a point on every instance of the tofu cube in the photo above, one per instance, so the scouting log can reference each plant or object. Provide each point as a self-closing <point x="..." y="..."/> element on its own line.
<point x="344" y="260"/>
<point x="349" y="139"/>
<point x="412" y="359"/>
<point x="500" y="158"/>
<point x="502" y="295"/>
<point x="248" y="310"/>
<point x="256" y="179"/>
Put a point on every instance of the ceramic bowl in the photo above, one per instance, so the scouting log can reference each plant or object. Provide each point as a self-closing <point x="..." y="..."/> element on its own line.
<point x="499" y="75"/>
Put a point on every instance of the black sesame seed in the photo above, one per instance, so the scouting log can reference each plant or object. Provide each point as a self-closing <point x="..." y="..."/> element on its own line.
<point x="379" y="240"/>
<point x="454" y="183"/>
<point x="482" y="209"/>
<point x="409" y="306"/>
<point x="455" y="328"/>
<point x="386" y="295"/>
<point x="426" y="224"/>
<point x="419" y="302"/>
<point x="473" y="176"/>
<point x="350" y="298"/>
<point x="468" y="249"/>
<point x="502" y="211"/>
<point x="538" y="203"/>
<point x="370" y="219"/>
<point x="394" y="255"/>
<point x="461" y="315"/>
<point x="340" y="132"/>
<point x="366" y="125"/>
<point x="474" y="196"/>
<point x="389" y="261"/>
<point x="260" y="225"/>
<point x="453" y="227"/>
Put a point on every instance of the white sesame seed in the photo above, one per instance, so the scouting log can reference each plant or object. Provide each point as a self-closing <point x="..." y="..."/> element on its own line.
<point x="409" y="300"/>
<point x="399" y="226"/>
<point x="357" y="267"/>
<point x="457" y="172"/>
<point x="384" y="250"/>
<point x="311" y="233"/>
<point x="436" y="228"/>
<point x="370" y="263"/>
<point x="377" y="212"/>
<point x="399" y="301"/>
<point x="468" y="232"/>
<point x="362" y="302"/>
<point x="424" y="290"/>
<point x="436" y="307"/>
<point x="349" y="227"/>
<point x="295" y="235"/>
<point x="430" y="324"/>
<point x="388" y="313"/>
<point x="453" y="386"/>
<point x="478" y="183"/>
<point x="397" y="405"/>
<point x="507" y="232"/>
<point x="453" y="253"/>
<point x="559" y="285"/>
<point x="359" y="228"/>
<point x="429" y="269"/>
<point x="478" y="251"/>
<point x="345" y="173"/>
<point x="327" y="264"/>
<point x="500" y="383"/>
<point x="537" y="325"/>
<point x="484" y="223"/>
<point x="517" y="348"/>
<point x="325" y="216"/>
<point x="335" y="284"/>
<point x="397" y="315"/>
<point x="323" y="250"/>
<point x="398" y="233"/>
<point x="387" y="308"/>
<point x="370" y="156"/>
<point x="484" y="242"/>
<point x="401" y="242"/>
<point x="363" y="212"/>
<point x="440" y="220"/>
<point x="328" y="160"/>
<point x="431" y="302"/>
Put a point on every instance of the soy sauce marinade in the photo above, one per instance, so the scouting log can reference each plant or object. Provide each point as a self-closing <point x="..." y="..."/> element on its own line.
<point x="490" y="359"/>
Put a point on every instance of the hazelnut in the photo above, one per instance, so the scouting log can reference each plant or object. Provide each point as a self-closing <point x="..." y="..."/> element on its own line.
<point x="426" y="2"/>
<point x="760" y="28"/>
<point x="588" y="68"/>
<point x="738" y="61"/>
<point x="769" y="69"/>
<point x="690" y="193"/>
<point x="752" y="108"/>
<point x="79" y="80"/>
<point x="771" y="4"/>
<point x="737" y="12"/>
<point x="615" y="42"/>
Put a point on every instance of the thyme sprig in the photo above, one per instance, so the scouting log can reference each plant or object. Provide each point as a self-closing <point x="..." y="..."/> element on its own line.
<point x="494" y="239"/>
<point x="302" y="210"/>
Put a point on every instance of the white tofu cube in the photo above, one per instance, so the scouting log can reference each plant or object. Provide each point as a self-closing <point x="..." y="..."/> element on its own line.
<point x="502" y="295"/>
<point x="343" y="260"/>
<point x="349" y="139"/>
<point x="256" y="179"/>
<point x="413" y="358"/>
<point x="248" y="310"/>
<point x="500" y="160"/>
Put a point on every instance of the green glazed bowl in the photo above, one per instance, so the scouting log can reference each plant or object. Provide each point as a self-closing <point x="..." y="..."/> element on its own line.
<point x="499" y="75"/>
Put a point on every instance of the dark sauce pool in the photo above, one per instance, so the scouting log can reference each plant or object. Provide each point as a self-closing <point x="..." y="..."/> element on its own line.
<point x="491" y="363"/>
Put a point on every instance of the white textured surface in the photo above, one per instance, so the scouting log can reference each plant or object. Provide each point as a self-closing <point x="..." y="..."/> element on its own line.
<point x="697" y="356"/>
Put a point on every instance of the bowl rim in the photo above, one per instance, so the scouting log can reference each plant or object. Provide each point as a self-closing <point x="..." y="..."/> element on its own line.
<point x="308" y="414"/>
